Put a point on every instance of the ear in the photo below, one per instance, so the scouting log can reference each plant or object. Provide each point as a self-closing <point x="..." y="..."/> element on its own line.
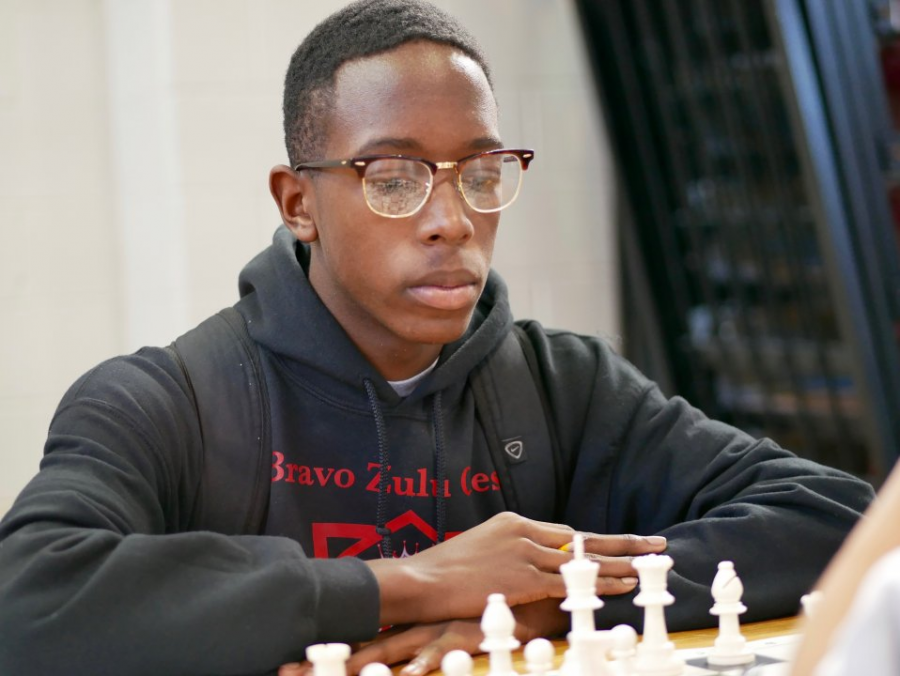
<point x="293" y="193"/>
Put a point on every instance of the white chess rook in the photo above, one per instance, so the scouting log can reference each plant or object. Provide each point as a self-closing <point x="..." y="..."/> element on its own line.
<point x="328" y="659"/>
<point x="655" y="653"/>
<point x="730" y="647"/>
<point x="498" y="626"/>
<point x="580" y="577"/>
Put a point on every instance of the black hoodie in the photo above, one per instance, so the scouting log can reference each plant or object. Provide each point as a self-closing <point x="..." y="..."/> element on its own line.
<point x="98" y="576"/>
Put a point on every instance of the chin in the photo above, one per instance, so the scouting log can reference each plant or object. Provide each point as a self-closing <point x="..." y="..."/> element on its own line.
<point x="441" y="332"/>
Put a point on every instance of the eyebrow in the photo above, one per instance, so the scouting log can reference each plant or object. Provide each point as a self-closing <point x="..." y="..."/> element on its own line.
<point x="410" y="144"/>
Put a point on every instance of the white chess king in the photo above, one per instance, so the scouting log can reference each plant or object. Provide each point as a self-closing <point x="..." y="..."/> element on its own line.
<point x="580" y="577"/>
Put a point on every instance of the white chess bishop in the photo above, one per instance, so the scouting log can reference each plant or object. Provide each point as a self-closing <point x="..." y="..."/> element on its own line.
<point x="498" y="626"/>
<point x="730" y="648"/>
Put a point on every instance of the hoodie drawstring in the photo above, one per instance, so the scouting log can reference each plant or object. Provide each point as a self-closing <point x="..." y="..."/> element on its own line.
<point x="440" y="466"/>
<point x="387" y="548"/>
<point x="440" y="469"/>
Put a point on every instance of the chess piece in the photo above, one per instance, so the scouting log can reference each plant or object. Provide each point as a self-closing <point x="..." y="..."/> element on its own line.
<point x="624" y="643"/>
<point x="538" y="657"/>
<point x="580" y="577"/>
<point x="376" y="669"/>
<point x="810" y="603"/>
<point x="498" y="626"/>
<point x="328" y="659"/>
<point x="730" y="647"/>
<point x="588" y="653"/>
<point x="655" y="653"/>
<point x="455" y="663"/>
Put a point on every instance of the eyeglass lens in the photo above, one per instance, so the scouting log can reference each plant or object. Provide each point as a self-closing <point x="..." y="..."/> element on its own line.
<point x="398" y="187"/>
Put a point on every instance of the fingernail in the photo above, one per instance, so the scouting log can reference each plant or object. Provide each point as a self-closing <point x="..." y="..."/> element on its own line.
<point x="656" y="540"/>
<point x="414" y="668"/>
<point x="629" y="581"/>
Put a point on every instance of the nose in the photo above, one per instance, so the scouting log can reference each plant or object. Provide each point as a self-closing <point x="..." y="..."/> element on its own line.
<point x="444" y="217"/>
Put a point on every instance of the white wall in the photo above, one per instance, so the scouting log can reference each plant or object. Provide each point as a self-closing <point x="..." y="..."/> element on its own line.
<point x="135" y="142"/>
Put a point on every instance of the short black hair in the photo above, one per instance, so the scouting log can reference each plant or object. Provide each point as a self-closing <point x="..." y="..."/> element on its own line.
<point x="360" y="29"/>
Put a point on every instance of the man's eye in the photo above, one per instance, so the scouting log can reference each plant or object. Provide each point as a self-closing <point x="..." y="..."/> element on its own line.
<point x="485" y="182"/>
<point x="393" y="185"/>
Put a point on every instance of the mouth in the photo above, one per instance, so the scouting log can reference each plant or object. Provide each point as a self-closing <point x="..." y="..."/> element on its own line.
<point x="447" y="291"/>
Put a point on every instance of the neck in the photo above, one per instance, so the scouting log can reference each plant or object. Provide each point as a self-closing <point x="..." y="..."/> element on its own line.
<point x="402" y="364"/>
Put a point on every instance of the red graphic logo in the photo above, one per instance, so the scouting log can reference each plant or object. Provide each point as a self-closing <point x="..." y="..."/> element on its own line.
<point x="364" y="537"/>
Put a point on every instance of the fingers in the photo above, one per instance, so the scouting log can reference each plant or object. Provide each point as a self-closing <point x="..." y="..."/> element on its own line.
<point x="623" y="545"/>
<point x="613" y="586"/>
<point x="459" y="636"/>
<point x="615" y="566"/>
<point x="553" y="535"/>
<point x="542" y="557"/>
<point x="295" y="669"/>
<point x="424" y="645"/>
<point x="390" y="650"/>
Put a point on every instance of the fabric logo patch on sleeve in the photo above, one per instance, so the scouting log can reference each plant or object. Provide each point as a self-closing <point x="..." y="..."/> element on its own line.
<point x="515" y="449"/>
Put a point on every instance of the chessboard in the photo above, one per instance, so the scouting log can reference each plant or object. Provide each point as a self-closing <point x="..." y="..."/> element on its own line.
<point x="772" y="657"/>
<point x="610" y="652"/>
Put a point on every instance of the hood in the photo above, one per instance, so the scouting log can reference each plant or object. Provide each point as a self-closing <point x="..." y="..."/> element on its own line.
<point x="280" y="305"/>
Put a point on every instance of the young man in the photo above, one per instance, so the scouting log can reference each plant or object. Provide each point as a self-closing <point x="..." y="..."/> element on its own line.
<point x="372" y="315"/>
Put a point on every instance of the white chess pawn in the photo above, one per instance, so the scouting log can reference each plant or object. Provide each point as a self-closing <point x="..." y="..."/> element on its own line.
<point x="810" y="603"/>
<point x="624" y="639"/>
<point x="328" y="659"/>
<point x="580" y="577"/>
<point x="730" y="647"/>
<point x="655" y="653"/>
<point x="455" y="663"/>
<point x="539" y="655"/>
<point x="498" y="626"/>
<point x="376" y="669"/>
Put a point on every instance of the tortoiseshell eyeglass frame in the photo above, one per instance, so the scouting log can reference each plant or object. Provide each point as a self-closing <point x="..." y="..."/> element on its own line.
<point x="361" y="163"/>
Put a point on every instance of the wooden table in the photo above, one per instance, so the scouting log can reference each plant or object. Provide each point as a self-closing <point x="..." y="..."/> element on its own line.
<point x="699" y="638"/>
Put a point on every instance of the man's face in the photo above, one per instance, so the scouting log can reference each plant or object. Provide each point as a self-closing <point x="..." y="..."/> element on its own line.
<point x="398" y="284"/>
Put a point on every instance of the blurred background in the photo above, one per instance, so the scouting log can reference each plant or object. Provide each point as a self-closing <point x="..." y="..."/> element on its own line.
<point x="713" y="193"/>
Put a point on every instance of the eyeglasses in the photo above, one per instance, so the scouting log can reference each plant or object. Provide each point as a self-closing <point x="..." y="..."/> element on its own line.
<point x="396" y="186"/>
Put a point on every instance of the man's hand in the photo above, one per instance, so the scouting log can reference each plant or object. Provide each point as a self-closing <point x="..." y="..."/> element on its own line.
<point x="615" y="554"/>
<point x="506" y="554"/>
<point x="437" y="592"/>
<point x="426" y="644"/>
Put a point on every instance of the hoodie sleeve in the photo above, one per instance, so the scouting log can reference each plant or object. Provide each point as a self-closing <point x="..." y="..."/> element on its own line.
<point x="641" y="463"/>
<point x="95" y="576"/>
